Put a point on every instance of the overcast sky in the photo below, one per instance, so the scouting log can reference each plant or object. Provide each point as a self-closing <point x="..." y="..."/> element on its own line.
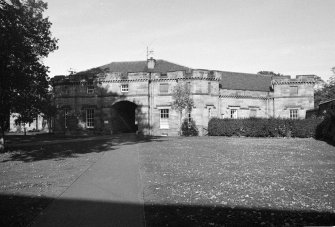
<point x="286" y="36"/>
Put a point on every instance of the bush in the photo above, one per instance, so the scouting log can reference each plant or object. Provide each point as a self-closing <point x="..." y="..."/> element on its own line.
<point x="189" y="128"/>
<point x="260" y="127"/>
<point x="326" y="129"/>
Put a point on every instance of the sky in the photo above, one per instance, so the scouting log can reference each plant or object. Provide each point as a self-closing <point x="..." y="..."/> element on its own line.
<point x="292" y="37"/>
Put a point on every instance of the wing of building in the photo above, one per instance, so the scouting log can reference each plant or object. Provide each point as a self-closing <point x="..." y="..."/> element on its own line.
<point x="137" y="96"/>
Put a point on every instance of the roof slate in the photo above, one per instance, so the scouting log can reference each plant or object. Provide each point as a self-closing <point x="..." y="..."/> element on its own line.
<point x="245" y="81"/>
<point x="229" y="80"/>
<point x="141" y="66"/>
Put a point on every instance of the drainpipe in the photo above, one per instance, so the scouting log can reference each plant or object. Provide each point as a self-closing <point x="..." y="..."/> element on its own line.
<point x="149" y="104"/>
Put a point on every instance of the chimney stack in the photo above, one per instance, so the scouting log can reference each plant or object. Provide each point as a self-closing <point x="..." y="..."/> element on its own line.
<point x="151" y="63"/>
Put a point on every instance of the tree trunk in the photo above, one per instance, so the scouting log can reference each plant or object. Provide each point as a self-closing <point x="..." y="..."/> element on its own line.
<point x="180" y="117"/>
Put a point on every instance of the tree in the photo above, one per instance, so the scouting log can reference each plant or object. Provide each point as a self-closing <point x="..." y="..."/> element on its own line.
<point x="269" y="73"/>
<point x="49" y="110"/>
<point x="25" y="39"/>
<point x="182" y="100"/>
<point x="327" y="92"/>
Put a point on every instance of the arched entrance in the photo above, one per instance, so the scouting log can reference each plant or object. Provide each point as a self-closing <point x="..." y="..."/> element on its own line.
<point x="124" y="119"/>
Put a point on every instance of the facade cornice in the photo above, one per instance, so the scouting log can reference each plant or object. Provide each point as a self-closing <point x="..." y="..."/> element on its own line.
<point x="280" y="82"/>
<point x="244" y="97"/>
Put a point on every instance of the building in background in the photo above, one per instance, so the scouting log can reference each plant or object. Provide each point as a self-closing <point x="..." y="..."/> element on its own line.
<point x="38" y="125"/>
<point x="137" y="97"/>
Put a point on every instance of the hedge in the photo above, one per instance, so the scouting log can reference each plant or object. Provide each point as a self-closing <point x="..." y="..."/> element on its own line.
<point x="261" y="127"/>
<point x="326" y="129"/>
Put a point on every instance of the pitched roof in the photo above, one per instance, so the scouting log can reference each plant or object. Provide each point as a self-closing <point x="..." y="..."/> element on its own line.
<point x="245" y="81"/>
<point x="229" y="80"/>
<point x="141" y="66"/>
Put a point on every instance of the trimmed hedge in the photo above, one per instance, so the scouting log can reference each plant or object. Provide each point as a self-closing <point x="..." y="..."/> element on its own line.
<point x="261" y="127"/>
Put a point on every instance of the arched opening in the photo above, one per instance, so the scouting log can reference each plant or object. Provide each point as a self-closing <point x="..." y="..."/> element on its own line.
<point x="124" y="120"/>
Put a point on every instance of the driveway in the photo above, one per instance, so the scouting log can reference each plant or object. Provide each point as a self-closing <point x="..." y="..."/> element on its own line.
<point x="108" y="193"/>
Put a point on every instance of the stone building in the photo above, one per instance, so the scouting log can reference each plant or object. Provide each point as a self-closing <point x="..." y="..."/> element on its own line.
<point x="137" y="96"/>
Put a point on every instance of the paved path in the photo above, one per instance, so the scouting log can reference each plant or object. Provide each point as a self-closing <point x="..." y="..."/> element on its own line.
<point x="109" y="193"/>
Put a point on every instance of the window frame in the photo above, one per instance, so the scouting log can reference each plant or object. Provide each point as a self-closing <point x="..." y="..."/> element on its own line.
<point x="294" y="90"/>
<point x="233" y="113"/>
<point x="89" y="118"/>
<point x="164" y="91"/>
<point x="164" y="116"/>
<point x="294" y="114"/>
<point x="90" y="89"/>
<point x="124" y="88"/>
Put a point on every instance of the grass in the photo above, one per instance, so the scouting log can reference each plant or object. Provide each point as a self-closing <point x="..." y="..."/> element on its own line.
<point x="31" y="177"/>
<point x="195" y="181"/>
<point x="215" y="181"/>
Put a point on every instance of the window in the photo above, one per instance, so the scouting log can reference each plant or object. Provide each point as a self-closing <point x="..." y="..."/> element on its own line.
<point x="90" y="89"/>
<point x="293" y="90"/>
<point x="209" y="113"/>
<point x="209" y="88"/>
<point x="294" y="114"/>
<point x="124" y="88"/>
<point x="164" y="88"/>
<point x="164" y="118"/>
<point x="233" y="113"/>
<point x="66" y="114"/>
<point x="253" y="113"/>
<point x="90" y="118"/>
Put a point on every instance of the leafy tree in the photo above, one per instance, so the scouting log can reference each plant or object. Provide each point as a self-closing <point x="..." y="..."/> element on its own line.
<point x="327" y="92"/>
<point x="181" y="95"/>
<point x="25" y="39"/>
<point x="269" y="73"/>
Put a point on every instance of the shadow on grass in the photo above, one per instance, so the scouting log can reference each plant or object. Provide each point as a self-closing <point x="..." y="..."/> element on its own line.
<point x="22" y="210"/>
<point x="69" y="149"/>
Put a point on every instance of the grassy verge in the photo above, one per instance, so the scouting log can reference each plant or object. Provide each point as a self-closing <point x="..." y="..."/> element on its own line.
<point x="215" y="181"/>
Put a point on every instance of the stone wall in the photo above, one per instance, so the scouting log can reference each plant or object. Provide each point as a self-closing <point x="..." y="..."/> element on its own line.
<point x="293" y="94"/>
<point x="152" y="92"/>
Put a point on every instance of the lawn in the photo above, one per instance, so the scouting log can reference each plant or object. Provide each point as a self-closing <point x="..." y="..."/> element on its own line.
<point x="215" y="181"/>
<point x="187" y="181"/>
<point x="32" y="176"/>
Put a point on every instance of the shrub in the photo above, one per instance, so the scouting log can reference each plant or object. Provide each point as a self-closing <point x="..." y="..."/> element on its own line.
<point x="261" y="127"/>
<point x="189" y="128"/>
<point x="326" y="129"/>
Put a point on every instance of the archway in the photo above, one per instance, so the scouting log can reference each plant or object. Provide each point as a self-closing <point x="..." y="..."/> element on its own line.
<point x="124" y="119"/>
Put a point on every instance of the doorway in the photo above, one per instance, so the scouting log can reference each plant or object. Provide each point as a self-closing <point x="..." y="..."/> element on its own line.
<point x="124" y="119"/>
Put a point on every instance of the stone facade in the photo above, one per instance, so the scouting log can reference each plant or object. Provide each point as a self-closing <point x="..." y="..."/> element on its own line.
<point x="137" y="96"/>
